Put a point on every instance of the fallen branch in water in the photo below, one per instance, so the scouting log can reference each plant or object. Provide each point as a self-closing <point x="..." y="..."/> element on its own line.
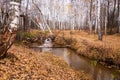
<point x="50" y="47"/>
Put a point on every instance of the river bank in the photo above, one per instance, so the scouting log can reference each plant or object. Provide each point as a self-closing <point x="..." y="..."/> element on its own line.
<point x="106" y="52"/>
<point x="25" y="64"/>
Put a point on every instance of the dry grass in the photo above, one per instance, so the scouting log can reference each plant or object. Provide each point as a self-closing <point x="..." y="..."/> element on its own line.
<point x="111" y="41"/>
<point x="88" y="45"/>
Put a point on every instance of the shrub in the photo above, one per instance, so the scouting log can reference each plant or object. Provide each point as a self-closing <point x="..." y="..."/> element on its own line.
<point x="24" y="35"/>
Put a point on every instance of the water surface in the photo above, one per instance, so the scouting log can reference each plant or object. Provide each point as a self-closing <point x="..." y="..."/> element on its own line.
<point x="97" y="71"/>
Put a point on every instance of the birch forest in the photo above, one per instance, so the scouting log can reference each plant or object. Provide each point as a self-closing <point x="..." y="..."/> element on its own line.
<point x="70" y="29"/>
<point x="99" y="16"/>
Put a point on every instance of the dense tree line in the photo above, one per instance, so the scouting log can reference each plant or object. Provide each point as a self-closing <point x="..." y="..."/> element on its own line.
<point x="98" y="16"/>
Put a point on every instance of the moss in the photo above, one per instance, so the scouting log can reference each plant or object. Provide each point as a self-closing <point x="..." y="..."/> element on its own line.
<point x="94" y="63"/>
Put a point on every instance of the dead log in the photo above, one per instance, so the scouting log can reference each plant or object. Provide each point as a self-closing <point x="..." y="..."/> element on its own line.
<point x="50" y="47"/>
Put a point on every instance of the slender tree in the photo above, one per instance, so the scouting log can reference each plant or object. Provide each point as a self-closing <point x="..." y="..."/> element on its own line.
<point x="99" y="20"/>
<point x="90" y="20"/>
<point x="118" y="16"/>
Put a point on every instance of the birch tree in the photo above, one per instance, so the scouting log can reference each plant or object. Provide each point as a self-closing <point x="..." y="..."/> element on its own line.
<point x="10" y="26"/>
<point x="90" y="18"/>
<point x="119" y="15"/>
<point x="99" y="20"/>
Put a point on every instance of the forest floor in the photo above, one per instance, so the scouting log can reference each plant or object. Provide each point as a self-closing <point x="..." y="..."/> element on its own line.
<point x="22" y="63"/>
<point x="26" y="64"/>
<point x="112" y="41"/>
<point x="107" y="50"/>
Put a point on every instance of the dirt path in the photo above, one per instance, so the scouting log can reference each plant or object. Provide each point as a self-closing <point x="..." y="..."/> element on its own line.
<point x="25" y="64"/>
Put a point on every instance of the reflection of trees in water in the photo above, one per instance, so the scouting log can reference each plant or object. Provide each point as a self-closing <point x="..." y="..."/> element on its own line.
<point x="65" y="56"/>
<point x="98" y="72"/>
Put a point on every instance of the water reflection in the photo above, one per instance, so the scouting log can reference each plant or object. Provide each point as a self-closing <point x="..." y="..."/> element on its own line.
<point x="98" y="72"/>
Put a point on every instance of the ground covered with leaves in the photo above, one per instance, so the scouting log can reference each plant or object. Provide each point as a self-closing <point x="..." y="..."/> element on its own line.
<point x="88" y="45"/>
<point x="22" y="63"/>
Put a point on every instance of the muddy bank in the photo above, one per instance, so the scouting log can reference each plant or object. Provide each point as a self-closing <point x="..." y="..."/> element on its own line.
<point x="84" y="47"/>
<point x="23" y="63"/>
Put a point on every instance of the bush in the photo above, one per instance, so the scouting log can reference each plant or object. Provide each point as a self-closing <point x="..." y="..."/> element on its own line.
<point x="24" y="35"/>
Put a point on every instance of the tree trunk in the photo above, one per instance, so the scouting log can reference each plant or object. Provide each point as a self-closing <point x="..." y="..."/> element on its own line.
<point x="90" y="20"/>
<point x="9" y="30"/>
<point x="26" y="17"/>
<point x="99" y="20"/>
<point x="44" y="21"/>
<point x="119" y="16"/>
<point x="112" y="18"/>
<point x="108" y="15"/>
<point x="96" y="14"/>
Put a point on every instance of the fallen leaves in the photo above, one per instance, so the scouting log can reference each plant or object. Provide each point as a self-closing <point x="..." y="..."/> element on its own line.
<point x="25" y="64"/>
<point x="86" y="44"/>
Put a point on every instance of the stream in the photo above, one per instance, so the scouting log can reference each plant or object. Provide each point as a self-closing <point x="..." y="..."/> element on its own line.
<point x="94" y="69"/>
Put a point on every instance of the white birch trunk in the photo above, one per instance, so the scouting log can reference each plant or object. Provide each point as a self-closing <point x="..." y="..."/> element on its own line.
<point x="119" y="16"/>
<point x="8" y="36"/>
<point x="106" y="17"/>
<point x="15" y="22"/>
<point x="99" y="20"/>
<point x="90" y="16"/>
<point x="96" y="14"/>
<point x="90" y="25"/>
